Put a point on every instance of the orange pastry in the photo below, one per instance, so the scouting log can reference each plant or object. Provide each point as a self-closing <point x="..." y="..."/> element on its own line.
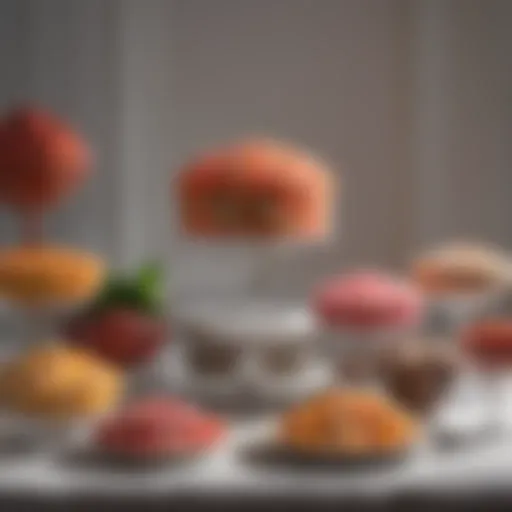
<point x="259" y="189"/>
<point x="42" y="275"/>
<point x="347" y="422"/>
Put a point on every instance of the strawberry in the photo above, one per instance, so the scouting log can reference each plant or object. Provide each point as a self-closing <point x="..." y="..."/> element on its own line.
<point x="124" y="325"/>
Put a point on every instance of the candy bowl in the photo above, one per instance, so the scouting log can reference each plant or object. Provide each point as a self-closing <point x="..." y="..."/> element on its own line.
<point x="419" y="373"/>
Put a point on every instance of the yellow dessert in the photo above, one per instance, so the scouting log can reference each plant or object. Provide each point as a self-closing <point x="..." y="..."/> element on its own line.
<point x="347" y="422"/>
<point x="59" y="382"/>
<point x="41" y="274"/>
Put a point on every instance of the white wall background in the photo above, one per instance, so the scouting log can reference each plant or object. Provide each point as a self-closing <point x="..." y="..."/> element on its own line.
<point x="410" y="100"/>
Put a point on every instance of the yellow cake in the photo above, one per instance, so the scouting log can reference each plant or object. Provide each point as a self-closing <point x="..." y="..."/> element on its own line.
<point x="55" y="381"/>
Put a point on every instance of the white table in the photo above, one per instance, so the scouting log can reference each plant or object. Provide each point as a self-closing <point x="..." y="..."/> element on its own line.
<point x="485" y="468"/>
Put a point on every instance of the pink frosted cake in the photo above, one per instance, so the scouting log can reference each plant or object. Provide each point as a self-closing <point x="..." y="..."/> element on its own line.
<point x="367" y="299"/>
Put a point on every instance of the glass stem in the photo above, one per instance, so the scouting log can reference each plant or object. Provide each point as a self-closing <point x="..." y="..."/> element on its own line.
<point x="266" y="264"/>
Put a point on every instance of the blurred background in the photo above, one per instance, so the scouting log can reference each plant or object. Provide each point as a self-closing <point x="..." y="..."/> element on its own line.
<point x="409" y="99"/>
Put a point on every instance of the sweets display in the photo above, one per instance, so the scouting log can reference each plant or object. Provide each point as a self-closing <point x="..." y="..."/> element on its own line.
<point x="417" y="373"/>
<point x="341" y="422"/>
<point x="41" y="160"/>
<point x="159" y="427"/>
<point x="124" y="324"/>
<point x="258" y="188"/>
<point x="40" y="275"/>
<point x="462" y="269"/>
<point x="59" y="382"/>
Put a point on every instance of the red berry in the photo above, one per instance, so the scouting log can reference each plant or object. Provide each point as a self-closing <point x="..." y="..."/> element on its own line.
<point x="122" y="336"/>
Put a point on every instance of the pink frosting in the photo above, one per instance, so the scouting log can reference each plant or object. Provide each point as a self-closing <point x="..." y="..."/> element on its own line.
<point x="367" y="299"/>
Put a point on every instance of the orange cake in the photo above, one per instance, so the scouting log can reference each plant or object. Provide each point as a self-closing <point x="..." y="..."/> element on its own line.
<point x="256" y="189"/>
<point x="43" y="275"/>
<point x="339" y="421"/>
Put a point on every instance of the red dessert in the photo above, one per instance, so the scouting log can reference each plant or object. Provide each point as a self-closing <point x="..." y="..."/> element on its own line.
<point x="41" y="160"/>
<point x="490" y="342"/>
<point x="159" y="427"/>
<point x="259" y="189"/>
<point x="125" y="337"/>
<point x="367" y="300"/>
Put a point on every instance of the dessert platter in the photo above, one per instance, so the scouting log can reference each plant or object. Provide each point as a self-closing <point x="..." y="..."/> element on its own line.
<point x="351" y="376"/>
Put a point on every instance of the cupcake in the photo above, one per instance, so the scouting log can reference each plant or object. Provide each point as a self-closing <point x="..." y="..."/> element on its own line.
<point x="45" y="275"/>
<point x="367" y="300"/>
<point x="158" y="428"/>
<point x="339" y="423"/>
<point x="461" y="269"/>
<point x="256" y="189"/>
<point x="363" y="310"/>
<point x="460" y="281"/>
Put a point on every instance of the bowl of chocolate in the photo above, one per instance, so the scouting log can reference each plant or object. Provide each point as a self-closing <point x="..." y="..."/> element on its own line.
<point x="418" y="373"/>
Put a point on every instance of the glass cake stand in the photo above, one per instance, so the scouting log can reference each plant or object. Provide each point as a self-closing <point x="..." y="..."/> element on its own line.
<point x="239" y="343"/>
